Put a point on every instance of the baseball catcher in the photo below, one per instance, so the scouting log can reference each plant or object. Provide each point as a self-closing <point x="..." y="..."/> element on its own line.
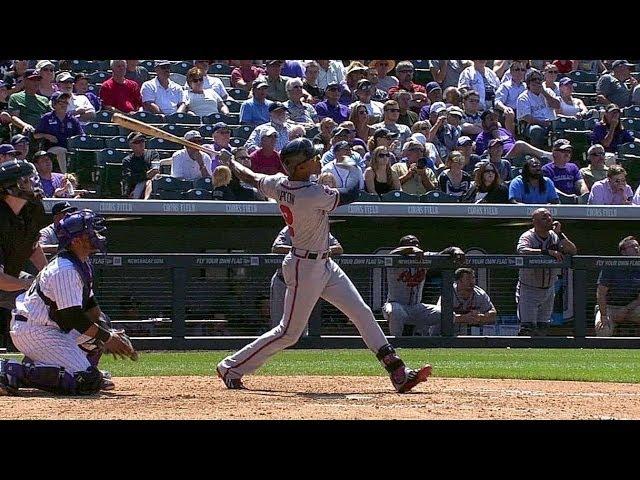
<point x="58" y="325"/>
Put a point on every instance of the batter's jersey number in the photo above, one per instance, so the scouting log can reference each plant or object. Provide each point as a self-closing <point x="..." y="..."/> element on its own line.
<point x="288" y="218"/>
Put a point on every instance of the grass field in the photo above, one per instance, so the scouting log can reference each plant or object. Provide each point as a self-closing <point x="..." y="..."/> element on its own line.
<point x="598" y="365"/>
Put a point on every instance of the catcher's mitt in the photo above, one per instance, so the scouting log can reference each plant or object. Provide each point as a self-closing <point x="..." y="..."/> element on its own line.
<point x="120" y="346"/>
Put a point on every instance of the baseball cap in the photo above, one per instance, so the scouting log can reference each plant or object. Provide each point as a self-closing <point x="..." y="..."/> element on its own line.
<point x="32" y="74"/>
<point x="495" y="141"/>
<point x="418" y="137"/>
<point x="562" y="144"/>
<point x="385" y="132"/>
<point x="259" y="83"/>
<point x="333" y="85"/>
<point x="277" y="106"/>
<point x="163" y="63"/>
<point x="44" y="63"/>
<point x="40" y="153"/>
<point x="135" y="137"/>
<point x="218" y="126"/>
<point x="57" y="96"/>
<point x="409" y="240"/>
<point x="618" y="63"/>
<point x="6" y="148"/>
<point x="565" y="81"/>
<point x="18" y="138"/>
<point x="437" y="107"/>
<point x="453" y="110"/>
<point x="340" y="146"/>
<point x="192" y="135"/>
<point x="339" y="131"/>
<point x="269" y="131"/>
<point x="63" y="207"/>
<point x="464" y="140"/>
<point x="431" y="86"/>
<point x="272" y="62"/>
<point x="487" y="112"/>
<point x="364" y="84"/>
<point x="597" y="148"/>
<point x="412" y="145"/>
<point x="63" y="77"/>
<point x="611" y="107"/>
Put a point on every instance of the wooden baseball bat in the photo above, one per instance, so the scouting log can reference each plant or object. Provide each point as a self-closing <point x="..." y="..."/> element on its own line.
<point x="150" y="130"/>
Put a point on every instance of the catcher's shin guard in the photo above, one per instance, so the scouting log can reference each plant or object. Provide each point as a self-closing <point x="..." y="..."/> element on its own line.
<point x="52" y="378"/>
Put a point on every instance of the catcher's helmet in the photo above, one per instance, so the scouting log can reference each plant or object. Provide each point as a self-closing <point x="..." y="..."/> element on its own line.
<point x="298" y="151"/>
<point x="77" y="223"/>
<point x="19" y="178"/>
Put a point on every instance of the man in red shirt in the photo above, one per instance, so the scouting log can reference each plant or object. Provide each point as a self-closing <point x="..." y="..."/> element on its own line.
<point x="404" y="72"/>
<point x="119" y="94"/>
<point x="266" y="159"/>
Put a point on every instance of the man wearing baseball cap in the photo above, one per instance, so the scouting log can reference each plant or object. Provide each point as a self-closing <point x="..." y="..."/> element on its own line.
<point x="21" y="144"/>
<point x="434" y="92"/>
<point x="330" y="106"/>
<point x="565" y="175"/>
<point x="255" y="110"/>
<point x="266" y="159"/>
<point x="278" y="121"/>
<point x="617" y="85"/>
<point x="28" y="105"/>
<point x="536" y="107"/>
<point x="48" y="239"/>
<point x="277" y="90"/>
<point x="138" y="168"/>
<point x="189" y="163"/>
<point x="79" y="105"/>
<point x="49" y="180"/>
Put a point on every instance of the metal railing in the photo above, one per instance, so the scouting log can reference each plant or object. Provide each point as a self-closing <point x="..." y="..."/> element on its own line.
<point x="185" y="301"/>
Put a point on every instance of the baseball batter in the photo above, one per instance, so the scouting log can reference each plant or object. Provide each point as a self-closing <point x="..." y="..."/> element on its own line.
<point x="535" y="291"/>
<point x="308" y="270"/>
<point x="59" y="312"/>
<point x="404" y="310"/>
<point x="282" y="245"/>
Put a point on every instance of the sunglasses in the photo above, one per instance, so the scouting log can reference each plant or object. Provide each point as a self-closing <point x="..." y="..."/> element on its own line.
<point x="384" y="154"/>
<point x="489" y="171"/>
<point x="224" y="132"/>
<point x="404" y="71"/>
<point x="245" y="157"/>
<point x="518" y="70"/>
<point x="362" y="112"/>
<point x="552" y="71"/>
<point x="46" y="69"/>
<point x="332" y="89"/>
<point x="197" y="80"/>
<point x="391" y="109"/>
<point x="297" y="86"/>
<point x="597" y="154"/>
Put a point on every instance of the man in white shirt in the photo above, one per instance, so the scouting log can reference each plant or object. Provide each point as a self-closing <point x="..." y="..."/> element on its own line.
<point x="189" y="163"/>
<point x="161" y="95"/>
<point x="536" y="108"/>
<point x="79" y="105"/>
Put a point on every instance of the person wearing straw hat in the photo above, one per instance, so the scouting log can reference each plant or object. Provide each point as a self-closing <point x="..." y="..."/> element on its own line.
<point x="384" y="67"/>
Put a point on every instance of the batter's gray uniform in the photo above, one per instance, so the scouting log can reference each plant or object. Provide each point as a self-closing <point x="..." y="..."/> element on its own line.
<point x="404" y="306"/>
<point x="535" y="291"/>
<point x="308" y="272"/>
<point x="278" y="287"/>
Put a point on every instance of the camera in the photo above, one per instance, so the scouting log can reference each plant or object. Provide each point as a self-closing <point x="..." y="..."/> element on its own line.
<point x="422" y="162"/>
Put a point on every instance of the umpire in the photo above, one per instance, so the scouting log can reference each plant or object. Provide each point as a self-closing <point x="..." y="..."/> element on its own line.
<point x="21" y="218"/>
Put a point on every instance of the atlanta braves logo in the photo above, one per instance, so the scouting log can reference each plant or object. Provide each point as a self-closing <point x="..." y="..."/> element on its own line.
<point x="413" y="280"/>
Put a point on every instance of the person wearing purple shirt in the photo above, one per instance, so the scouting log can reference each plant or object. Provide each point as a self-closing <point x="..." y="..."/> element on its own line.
<point x="613" y="190"/>
<point x="609" y="132"/>
<point x="49" y="180"/>
<point x="565" y="176"/>
<point x="331" y="107"/>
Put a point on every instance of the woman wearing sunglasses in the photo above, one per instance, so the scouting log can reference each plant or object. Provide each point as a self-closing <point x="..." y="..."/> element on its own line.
<point x="379" y="177"/>
<point x="487" y="186"/>
<point x="199" y="101"/>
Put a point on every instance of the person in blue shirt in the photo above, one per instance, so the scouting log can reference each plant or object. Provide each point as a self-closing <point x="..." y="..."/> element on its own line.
<point x="255" y="111"/>
<point x="531" y="186"/>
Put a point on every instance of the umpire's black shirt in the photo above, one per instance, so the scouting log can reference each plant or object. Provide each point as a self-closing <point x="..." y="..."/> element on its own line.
<point x="19" y="235"/>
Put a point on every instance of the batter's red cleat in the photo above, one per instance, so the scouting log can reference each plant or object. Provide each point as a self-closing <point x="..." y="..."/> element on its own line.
<point x="231" y="383"/>
<point x="411" y="378"/>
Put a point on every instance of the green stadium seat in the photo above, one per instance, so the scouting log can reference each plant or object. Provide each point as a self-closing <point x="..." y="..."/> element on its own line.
<point x="203" y="184"/>
<point x="110" y="155"/>
<point x="436" y="196"/>
<point x="423" y="64"/>
<point x="632" y="124"/>
<point x="117" y="143"/>
<point x="169" y="183"/>
<point x="243" y="131"/>
<point x="96" y="129"/>
<point x="198" y="194"/>
<point x="515" y="171"/>
<point x="183" y="119"/>
<point x="368" y="197"/>
<point x="104" y="116"/>
<point x="206" y="130"/>
<point x="580" y="76"/>
<point x="422" y="76"/>
<point x="181" y="68"/>
<point x="220" y="69"/>
<point x="148" y="64"/>
<point x="583" y="199"/>
<point x="584" y="87"/>
<point x="238" y="94"/>
<point x="162" y="144"/>
<point x="84" y="66"/>
<point x="567" y="199"/>
<point x="147" y="117"/>
<point x="630" y="148"/>
<point x="632" y="112"/>
<point x="177" y="130"/>
<point x="110" y="180"/>
<point x="399" y="196"/>
<point x="312" y="132"/>
<point x="84" y="142"/>
<point x="237" y="142"/>
<point x="179" y="78"/>
<point x="221" y="117"/>
<point x="98" y="77"/>
<point x="95" y="89"/>
<point x="234" y="107"/>
<point x="169" y="195"/>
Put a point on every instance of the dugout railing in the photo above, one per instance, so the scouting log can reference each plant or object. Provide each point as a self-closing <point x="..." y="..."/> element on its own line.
<point x="221" y="301"/>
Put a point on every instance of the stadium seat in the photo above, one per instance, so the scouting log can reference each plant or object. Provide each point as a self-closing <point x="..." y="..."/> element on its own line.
<point x="399" y="196"/>
<point x="179" y="78"/>
<point x="165" y="163"/>
<point x="567" y="199"/>
<point x="203" y="184"/>
<point x="96" y="129"/>
<point x="567" y="124"/>
<point x="590" y="123"/>
<point x="169" y="195"/>
<point x="104" y="116"/>
<point x="584" y="88"/>
<point x="424" y="64"/>
<point x="147" y="117"/>
<point x="312" y="132"/>
<point x="580" y="76"/>
<point x="110" y="180"/>
<point x="368" y="197"/>
<point x="238" y="94"/>
<point x="226" y="81"/>
<point x="234" y="107"/>
<point x="181" y="68"/>
<point x="198" y="194"/>
<point x="177" y="130"/>
<point x="220" y="69"/>
<point x="435" y="196"/>
<point x="84" y="66"/>
<point x="632" y="124"/>
<point x="169" y="183"/>
<point x="84" y="142"/>
<point x="162" y="144"/>
<point x="221" y="117"/>
<point x="95" y="89"/>
<point x="237" y="142"/>
<point x="110" y="155"/>
<point x="583" y="199"/>
<point x="629" y="149"/>
<point x="117" y="143"/>
<point x="206" y="130"/>
<point x="422" y="76"/>
<point x="183" y="119"/>
<point x="148" y="64"/>
<point x="243" y="131"/>
<point x="632" y="112"/>
<point x="98" y="77"/>
<point x="515" y="171"/>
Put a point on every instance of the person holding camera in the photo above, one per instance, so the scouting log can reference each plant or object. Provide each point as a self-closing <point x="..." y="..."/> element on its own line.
<point x="413" y="171"/>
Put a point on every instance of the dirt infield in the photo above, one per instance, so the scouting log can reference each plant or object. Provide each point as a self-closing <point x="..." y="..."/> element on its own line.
<point x="308" y="397"/>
